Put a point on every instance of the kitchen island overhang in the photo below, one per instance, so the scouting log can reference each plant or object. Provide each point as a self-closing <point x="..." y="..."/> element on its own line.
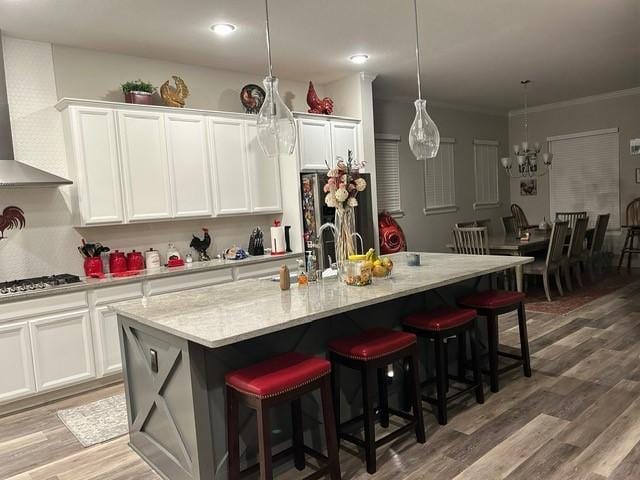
<point x="177" y="347"/>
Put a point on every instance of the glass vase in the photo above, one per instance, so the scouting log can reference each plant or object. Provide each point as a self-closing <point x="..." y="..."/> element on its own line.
<point x="345" y="222"/>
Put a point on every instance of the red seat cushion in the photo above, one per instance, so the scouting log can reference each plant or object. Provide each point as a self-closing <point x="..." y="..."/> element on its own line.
<point x="278" y="375"/>
<point x="441" y="318"/>
<point x="371" y="344"/>
<point x="492" y="299"/>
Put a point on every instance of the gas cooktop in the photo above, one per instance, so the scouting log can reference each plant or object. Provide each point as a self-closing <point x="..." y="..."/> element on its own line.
<point x="37" y="283"/>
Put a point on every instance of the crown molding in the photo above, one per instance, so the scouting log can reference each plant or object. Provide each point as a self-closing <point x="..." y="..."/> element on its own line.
<point x="577" y="101"/>
<point x="436" y="103"/>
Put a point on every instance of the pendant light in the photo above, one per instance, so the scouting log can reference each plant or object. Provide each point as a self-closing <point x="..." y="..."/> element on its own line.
<point x="424" y="137"/>
<point x="276" y="126"/>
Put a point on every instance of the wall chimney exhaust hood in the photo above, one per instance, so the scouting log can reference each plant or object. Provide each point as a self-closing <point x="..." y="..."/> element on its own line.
<point x="12" y="172"/>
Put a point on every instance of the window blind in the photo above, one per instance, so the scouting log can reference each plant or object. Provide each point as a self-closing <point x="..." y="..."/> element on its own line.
<point x="485" y="157"/>
<point x="388" y="173"/>
<point x="585" y="175"/>
<point x="439" y="179"/>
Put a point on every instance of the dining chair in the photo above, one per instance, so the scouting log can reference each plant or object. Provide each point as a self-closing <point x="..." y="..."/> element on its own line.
<point x="570" y="217"/>
<point x="475" y="223"/>
<point x="632" y="225"/>
<point x="594" y="256"/>
<point x="509" y="225"/>
<point x="575" y="254"/>
<point x="521" y="218"/>
<point x="471" y="240"/>
<point x="554" y="261"/>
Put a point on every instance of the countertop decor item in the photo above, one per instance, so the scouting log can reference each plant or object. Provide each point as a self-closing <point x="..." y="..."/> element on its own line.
<point x="152" y="259"/>
<point x="235" y="253"/>
<point x="391" y="236"/>
<point x="424" y="137"/>
<point x="174" y="96"/>
<point x="173" y="252"/>
<point x="316" y="104"/>
<point x="92" y="254"/>
<point x="138" y="92"/>
<point x="285" y="278"/>
<point x="12" y="218"/>
<point x="201" y="245"/>
<point x="413" y="259"/>
<point x="276" y="125"/>
<point x="278" y="241"/>
<point x="252" y="97"/>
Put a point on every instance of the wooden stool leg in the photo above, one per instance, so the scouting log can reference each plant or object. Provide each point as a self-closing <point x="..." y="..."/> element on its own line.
<point x="416" y="401"/>
<point x="492" y="328"/>
<point x="368" y="396"/>
<point x="264" y="443"/>
<point x="298" y="434"/>
<point x="524" y="340"/>
<point x="445" y="346"/>
<point x="475" y="359"/>
<point x="441" y="383"/>
<point x="233" y="439"/>
<point x="335" y="388"/>
<point x="383" y="398"/>
<point x="462" y="356"/>
<point x="624" y="248"/>
<point x="329" y="429"/>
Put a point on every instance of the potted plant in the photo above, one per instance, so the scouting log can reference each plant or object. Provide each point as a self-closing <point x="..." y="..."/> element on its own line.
<point x="138" y="92"/>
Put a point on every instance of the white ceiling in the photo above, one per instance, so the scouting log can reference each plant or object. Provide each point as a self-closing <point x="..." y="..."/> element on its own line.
<point x="475" y="52"/>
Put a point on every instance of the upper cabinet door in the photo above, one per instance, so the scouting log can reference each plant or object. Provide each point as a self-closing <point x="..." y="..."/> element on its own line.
<point x="264" y="175"/>
<point x="314" y="144"/>
<point x="189" y="165"/>
<point x="147" y="182"/>
<point x="95" y="149"/>
<point x="229" y="167"/>
<point x="344" y="137"/>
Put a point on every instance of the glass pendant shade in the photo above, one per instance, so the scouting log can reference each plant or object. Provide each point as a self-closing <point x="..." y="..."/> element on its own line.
<point x="424" y="137"/>
<point x="276" y="126"/>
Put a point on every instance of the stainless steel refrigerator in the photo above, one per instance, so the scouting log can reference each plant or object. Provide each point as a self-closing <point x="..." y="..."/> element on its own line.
<point x="315" y="213"/>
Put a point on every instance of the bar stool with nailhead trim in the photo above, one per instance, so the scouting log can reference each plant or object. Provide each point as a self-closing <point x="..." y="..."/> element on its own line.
<point x="281" y="379"/>
<point x="370" y="353"/>
<point x="439" y="325"/>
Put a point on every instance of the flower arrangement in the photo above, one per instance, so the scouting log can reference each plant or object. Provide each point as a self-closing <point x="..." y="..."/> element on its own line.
<point x="344" y="183"/>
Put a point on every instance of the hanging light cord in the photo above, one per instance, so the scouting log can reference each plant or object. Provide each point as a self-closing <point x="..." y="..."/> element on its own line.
<point x="266" y="8"/>
<point x="415" y="11"/>
<point x="525" y="83"/>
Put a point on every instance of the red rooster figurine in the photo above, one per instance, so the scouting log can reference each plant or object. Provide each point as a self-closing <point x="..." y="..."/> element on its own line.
<point x="324" y="106"/>
<point x="12" y="217"/>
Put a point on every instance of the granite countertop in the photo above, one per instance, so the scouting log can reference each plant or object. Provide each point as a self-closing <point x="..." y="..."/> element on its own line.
<point x="224" y="314"/>
<point x="108" y="280"/>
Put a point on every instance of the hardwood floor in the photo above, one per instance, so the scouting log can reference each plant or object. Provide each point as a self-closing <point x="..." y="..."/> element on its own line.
<point x="576" y="418"/>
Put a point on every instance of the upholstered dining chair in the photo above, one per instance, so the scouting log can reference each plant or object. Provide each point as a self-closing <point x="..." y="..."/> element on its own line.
<point x="594" y="255"/>
<point x="576" y="252"/>
<point x="509" y="225"/>
<point x="554" y="262"/>
<point x="570" y="217"/>
<point x="633" y="231"/>
<point x="521" y="218"/>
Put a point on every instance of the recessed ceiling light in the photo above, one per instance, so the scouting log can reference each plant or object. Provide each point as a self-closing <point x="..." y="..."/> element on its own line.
<point x="359" y="58"/>
<point x="223" y="28"/>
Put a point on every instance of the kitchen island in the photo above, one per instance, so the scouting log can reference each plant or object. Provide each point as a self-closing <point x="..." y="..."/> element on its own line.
<point x="177" y="347"/>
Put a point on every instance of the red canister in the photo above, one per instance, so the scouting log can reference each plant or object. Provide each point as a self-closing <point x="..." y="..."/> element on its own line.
<point x="93" y="267"/>
<point x="117" y="262"/>
<point x="135" y="261"/>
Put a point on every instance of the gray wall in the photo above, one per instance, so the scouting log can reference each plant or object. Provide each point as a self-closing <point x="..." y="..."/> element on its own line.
<point x="621" y="112"/>
<point x="433" y="232"/>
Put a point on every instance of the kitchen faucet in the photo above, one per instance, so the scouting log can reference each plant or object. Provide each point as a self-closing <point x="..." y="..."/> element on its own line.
<point x="318" y="242"/>
<point x="359" y="237"/>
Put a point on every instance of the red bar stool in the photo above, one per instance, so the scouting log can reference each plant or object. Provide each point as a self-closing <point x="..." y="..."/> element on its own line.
<point x="281" y="379"/>
<point x="438" y="325"/>
<point x="490" y="304"/>
<point x="370" y="352"/>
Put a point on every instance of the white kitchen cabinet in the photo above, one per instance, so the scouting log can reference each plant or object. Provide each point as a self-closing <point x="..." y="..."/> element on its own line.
<point x="108" y="357"/>
<point x="314" y="143"/>
<point x="229" y="169"/>
<point x="344" y="137"/>
<point x="188" y="154"/>
<point x="264" y="175"/>
<point x="17" y="378"/>
<point x="146" y="178"/>
<point x="92" y="144"/>
<point x="62" y="349"/>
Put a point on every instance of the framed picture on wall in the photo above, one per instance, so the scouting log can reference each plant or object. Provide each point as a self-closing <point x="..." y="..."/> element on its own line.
<point x="528" y="187"/>
<point x="634" y="146"/>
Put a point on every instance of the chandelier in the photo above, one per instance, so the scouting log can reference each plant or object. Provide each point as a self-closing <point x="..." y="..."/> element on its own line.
<point x="527" y="156"/>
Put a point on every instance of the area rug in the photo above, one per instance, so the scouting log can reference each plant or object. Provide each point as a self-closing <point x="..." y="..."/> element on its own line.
<point x="97" y="422"/>
<point x="610" y="282"/>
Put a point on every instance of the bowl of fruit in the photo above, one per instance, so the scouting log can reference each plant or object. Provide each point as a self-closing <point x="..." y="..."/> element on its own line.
<point x="380" y="267"/>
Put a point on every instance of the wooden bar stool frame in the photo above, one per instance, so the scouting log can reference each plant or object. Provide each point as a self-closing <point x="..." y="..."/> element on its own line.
<point x="262" y="407"/>
<point x="370" y="369"/>
<point x="440" y="338"/>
